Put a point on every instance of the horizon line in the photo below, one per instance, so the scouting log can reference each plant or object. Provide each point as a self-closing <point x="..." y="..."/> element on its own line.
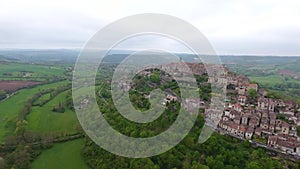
<point x="133" y="50"/>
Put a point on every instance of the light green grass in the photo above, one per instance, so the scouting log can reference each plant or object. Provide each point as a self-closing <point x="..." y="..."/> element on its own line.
<point x="43" y="119"/>
<point x="10" y="108"/>
<point x="62" y="156"/>
<point x="38" y="71"/>
<point x="267" y="80"/>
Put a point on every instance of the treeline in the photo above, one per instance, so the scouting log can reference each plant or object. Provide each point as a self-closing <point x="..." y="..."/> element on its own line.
<point x="24" y="146"/>
<point x="21" y="149"/>
<point x="53" y="93"/>
<point x="2" y="95"/>
<point x="31" y="102"/>
<point x="217" y="153"/>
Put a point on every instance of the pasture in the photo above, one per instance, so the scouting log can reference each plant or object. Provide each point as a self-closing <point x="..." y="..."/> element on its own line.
<point x="9" y="109"/>
<point x="22" y="71"/>
<point x="61" y="156"/>
<point x="43" y="119"/>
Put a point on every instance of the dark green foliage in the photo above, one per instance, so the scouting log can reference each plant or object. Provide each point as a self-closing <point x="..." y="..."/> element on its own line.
<point x="252" y="96"/>
<point x="155" y="77"/>
<point x="60" y="108"/>
<point x="298" y="130"/>
<point x="282" y="117"/>
<point x="2" y="94"/>
<point x="218" y="152"/>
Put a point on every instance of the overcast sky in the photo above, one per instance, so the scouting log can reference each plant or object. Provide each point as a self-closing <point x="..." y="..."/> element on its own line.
<point x="267" y="27"/>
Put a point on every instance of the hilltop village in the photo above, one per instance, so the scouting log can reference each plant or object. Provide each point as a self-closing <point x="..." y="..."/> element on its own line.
<point x="248" y="114"/>
<point x="251" y="114"/>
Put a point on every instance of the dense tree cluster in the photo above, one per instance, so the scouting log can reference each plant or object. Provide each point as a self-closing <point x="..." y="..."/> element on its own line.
<point x="218" y="152"/>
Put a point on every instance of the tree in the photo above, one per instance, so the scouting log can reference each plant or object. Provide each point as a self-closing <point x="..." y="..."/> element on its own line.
<point x="21" y="127"/>
<point x="253" y="165"/>
<point x="252" y="95"/>
<point x="155" y="78"/>
<point x="2" y="94"/>
<point x="2" y="163"/>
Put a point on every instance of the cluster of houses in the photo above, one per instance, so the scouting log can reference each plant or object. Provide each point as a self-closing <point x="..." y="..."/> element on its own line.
<point x="258" y="118"/>
<point x="83" y="103"/>
<point x="273" y="120"/>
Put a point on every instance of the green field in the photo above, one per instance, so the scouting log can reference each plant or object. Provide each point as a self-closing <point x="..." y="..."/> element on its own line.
<point x="61" y="156"/>
<point x="44" y="97"/>
<point x="10" y="108"/>
<point x="43" y="119"/>
<point x="267" y="80"/>
<point x="37" y="72"/>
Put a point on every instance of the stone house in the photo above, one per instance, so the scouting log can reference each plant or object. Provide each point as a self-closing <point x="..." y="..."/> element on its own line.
<point x="285" y="128"/>
<point x="233" y="114"/>
<point x="245" y="118"/>
<point x="242" y="130"/>
<point x="272" y="141"/>
<point x="272" y="128"/>
<point x="237" y="119"/>
<point x="237" y="107"/>
<point x="242" y="90"/>
<point x="234" y="128"/>
<point x="264" y="124"/>
<point x="263" y="103"/>
<point x="297" y="145"/>
<point x="254" y="122"/>
<point x="272" y="116"/>
<point x="257" y="131"/>
<point x="278" y="125"/>
<point x="252" y="86"/>
<point x="242" y="100"/>
<point x="249" y="132"/>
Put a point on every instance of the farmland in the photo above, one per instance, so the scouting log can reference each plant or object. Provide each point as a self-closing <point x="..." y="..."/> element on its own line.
<point x="10" y="108"/>
<point x="11" y="86"/>
<point x="43" y="119"/>
<point x="277" y="74"/>
<point x="61" y="156"/>
<point x="43" y="87"/>
<point x="34" y="72"/>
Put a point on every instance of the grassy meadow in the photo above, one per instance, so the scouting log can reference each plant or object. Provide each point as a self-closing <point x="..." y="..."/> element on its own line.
<point x="61" y="156"/>
<point x="43" y="119"/>
<point x="10" y="108"/>
<point x="15" y="71"/>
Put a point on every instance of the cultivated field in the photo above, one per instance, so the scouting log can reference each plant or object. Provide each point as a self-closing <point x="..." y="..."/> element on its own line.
<point x="14" y="85"/>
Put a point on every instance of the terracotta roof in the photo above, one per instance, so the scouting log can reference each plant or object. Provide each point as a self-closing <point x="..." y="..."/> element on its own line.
<point x="250" y="130"/>
<point x="234" y="126"/>
<point x="243" y="128"/>
<point x="252" y="85"/>
<point x="285" y="124"/>
<point x="243" y="97"/>
<point x="297" y="144"/>
<point x="258" y="129"/>
<point x="273" y="138"/>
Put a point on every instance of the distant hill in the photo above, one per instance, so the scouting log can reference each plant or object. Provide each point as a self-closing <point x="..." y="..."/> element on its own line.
<point x="3" y="58"/>
<point x="57" y="56"/>
<point x="51" y="56"/>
